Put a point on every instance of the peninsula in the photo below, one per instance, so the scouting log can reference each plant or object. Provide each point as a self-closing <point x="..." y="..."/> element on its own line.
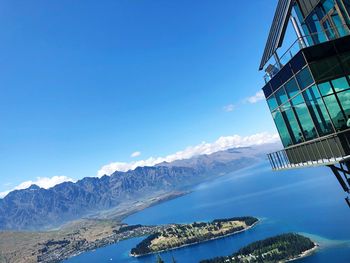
<point x="281" y="248"/>
<point x="179" y="235"/>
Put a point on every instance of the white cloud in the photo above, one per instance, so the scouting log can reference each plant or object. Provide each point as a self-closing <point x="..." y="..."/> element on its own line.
<point x="43" y="182"/>
<point x="223" y="143"/>
<point x="135" y="154"/>
<point x="256" y="98"/>
<point x="229" y="108"/>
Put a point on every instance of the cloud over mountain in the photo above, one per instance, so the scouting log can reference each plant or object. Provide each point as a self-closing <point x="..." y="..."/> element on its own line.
<point x="223" y="143"/>
<point x="43" y="182"/>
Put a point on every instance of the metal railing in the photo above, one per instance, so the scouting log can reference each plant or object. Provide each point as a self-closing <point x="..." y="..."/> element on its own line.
<point x="307" y="41"/>
<point x="327" y="150"/>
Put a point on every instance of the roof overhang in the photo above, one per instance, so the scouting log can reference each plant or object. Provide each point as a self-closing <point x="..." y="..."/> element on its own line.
<point x="278" y="30"/>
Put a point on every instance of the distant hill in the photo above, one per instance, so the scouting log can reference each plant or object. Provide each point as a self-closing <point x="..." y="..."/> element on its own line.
<point x="37" y="208"/>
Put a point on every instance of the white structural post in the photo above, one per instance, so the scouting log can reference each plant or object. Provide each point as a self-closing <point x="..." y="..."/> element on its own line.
<point x="298" y="32"/>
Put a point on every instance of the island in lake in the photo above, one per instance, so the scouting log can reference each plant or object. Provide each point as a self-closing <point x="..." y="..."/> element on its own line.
<point x="282" y="248"/>
<point x="179" y="235"/>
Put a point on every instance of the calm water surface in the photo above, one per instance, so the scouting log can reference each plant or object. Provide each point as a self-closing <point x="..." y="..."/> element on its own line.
<point x="307" y="201"/>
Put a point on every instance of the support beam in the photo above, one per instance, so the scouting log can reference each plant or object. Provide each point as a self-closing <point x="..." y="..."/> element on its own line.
<point x="340" y="179"/>
<point x="278" y="60"/>
<point x="343" y="180"/>
<point x="347" y="200"/>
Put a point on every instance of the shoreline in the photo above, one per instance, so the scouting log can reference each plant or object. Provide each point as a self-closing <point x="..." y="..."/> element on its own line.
<point x="305" y="253"/>
<point x="78" y="230"/>
<point x="198" y="242"/>
<point x="126" y="213"/>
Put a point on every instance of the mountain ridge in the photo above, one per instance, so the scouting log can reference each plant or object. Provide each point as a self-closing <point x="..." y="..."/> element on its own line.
<point x="37" y="208"/>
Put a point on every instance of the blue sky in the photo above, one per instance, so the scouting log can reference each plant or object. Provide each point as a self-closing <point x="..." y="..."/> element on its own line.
<point x="86" y="83"/>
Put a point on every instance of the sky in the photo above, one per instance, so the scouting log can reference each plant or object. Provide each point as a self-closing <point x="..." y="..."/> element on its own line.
<point x="88" y="83"/>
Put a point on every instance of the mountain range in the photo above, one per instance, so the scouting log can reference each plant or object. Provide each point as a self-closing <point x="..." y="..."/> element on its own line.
<point x="36" y="208"/>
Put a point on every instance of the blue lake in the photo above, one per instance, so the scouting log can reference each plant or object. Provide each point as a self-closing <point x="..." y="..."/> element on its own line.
<point x="308" y="201"/>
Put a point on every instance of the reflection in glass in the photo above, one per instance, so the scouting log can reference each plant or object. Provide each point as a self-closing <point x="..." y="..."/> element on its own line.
<point x="318" y="111"/>
<point x="281" y="96"/>
<point x="282" y="129"/>
<point x="325" y="88"/>
<point x="340" y="84"/>
<point x="291" y="123"/>
<point x="344" y="98"/>
<point x="305" y="120"/>
<point x="292" y="88"/>
<point x="316" y="29"/>
<point x="304" y="26"/>
<point x="335" y="112"/>
<point x="272" y="102"/>
<point x="304" y="78"/>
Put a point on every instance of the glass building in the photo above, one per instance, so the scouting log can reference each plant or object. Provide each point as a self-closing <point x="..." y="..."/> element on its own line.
<point x="308" y="87"/>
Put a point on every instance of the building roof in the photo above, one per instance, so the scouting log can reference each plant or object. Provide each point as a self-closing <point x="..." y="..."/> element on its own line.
<point x="278" y="30"/>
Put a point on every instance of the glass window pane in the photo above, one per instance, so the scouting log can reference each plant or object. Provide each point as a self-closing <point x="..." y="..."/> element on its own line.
<point x="304" y="26"/>
<point x="326" y="69"/>
<point x="328" y="5"/>
<point x="281" y="96"/>
<point x="335" y="112"/>
<point x="282" y="129"/>
<point x="305" y="120"/>
<point x="318" y="111"/>
<point x="325" y="88"/>
<point x="345" y="59"/>
<point x="341" y="5"/>
<point x="340" y="84"/>
<point x="304" y="78"/>
<point x="344" y="98"/>
<point x="272" y="103"/>
<point x="291" y="123"/>
<point x="339" y="25"/>
<point x="316" y="29"/>
<point x="292" y="88"/>
<point x="347" y="5"/>
<point x="329" y="29"/>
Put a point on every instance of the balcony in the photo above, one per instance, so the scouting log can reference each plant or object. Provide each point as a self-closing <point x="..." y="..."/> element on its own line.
<point x="304" y="42"/>
<point x="328" y="150"/>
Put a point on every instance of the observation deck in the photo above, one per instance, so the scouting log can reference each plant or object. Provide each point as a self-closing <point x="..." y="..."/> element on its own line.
<point x="307" y="88"/>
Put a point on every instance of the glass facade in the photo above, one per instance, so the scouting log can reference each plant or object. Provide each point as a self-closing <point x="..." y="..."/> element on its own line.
<point x="310" y="96"/>
<point x="318" y="111"/>
<point x="304" y="109"/>
<point x="306" y="123"/>
<point x="308" y="88"/>
<point x="327" y="21"/>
